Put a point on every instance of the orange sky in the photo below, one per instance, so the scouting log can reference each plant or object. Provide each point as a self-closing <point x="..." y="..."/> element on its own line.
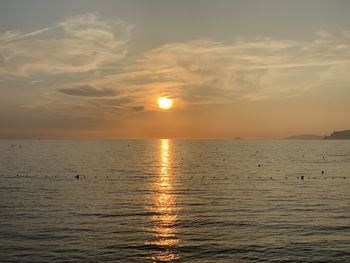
<point x="239" y="69"/>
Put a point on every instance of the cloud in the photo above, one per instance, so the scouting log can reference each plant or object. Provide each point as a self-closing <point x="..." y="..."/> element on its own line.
<point x="77" y="44"/>
<point x="138" y="108"/>
<point x="206" y="71"/>
<point x="87" y="91"/>
<point x="203" y="72"/>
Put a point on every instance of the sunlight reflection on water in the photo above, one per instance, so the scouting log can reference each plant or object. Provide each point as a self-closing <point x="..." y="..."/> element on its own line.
<point x="165" y="207"/>
<point x="174" y="201"/>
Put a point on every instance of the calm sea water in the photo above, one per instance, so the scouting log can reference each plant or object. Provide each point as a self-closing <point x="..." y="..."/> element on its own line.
<point x="174" y="200"/>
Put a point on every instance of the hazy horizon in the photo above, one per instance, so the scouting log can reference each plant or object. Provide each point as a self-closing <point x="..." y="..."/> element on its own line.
<point x="249" y="69"/>
<point x="60" y="136"/>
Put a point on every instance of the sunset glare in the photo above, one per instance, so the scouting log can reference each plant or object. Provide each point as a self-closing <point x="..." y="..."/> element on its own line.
<point x="165" y="103"/>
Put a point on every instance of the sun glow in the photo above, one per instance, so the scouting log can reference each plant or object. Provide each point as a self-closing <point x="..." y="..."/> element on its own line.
<point x="164" y="103"/>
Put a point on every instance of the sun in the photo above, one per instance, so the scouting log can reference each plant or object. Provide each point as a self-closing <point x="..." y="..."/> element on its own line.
<point x="164" y="103"/>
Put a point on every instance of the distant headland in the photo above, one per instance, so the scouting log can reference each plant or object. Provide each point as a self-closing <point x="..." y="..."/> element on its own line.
<point x="336" y="135"/>
<point x="339" y="135"/>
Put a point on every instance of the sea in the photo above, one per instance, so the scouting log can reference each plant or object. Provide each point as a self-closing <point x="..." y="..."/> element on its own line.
<point x="174" y="201"/>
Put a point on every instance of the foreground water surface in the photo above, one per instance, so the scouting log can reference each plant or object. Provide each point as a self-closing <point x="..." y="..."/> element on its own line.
<point x="174" y="200"/>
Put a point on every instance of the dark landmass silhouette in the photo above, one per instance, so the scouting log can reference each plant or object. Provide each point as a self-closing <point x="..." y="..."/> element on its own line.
<point x="336" y="135"/>
<point x="339" y="135"/>
<point x="305" y="137"/>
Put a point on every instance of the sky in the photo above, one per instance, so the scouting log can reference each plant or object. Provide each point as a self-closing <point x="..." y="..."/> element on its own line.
<point x="249" y="69"/>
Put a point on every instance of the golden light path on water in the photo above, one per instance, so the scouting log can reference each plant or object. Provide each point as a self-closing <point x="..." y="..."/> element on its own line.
<point x="165" y="206"/>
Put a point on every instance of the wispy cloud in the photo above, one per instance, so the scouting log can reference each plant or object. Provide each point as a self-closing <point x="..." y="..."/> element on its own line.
<point x="198" y="72"/>
<point x="206" y="72"/>
<point x="87" y="91"/>
<point x="78" y="44"/>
